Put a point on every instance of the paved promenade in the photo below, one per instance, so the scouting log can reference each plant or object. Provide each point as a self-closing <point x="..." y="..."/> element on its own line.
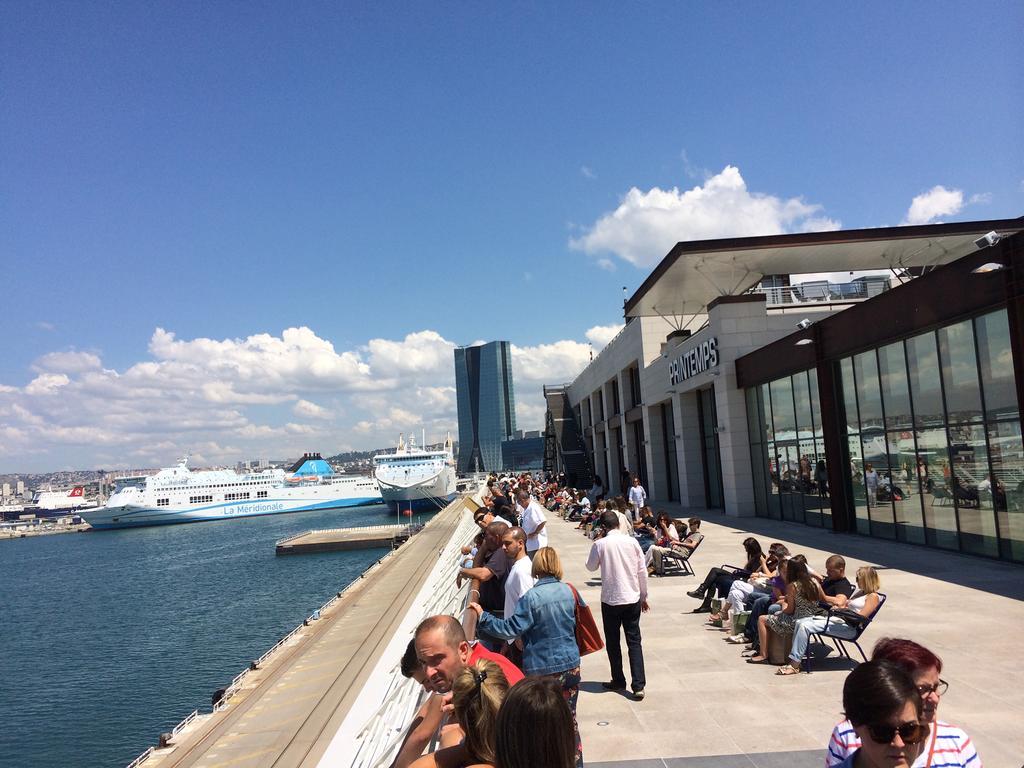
<point x="706" y="708"/>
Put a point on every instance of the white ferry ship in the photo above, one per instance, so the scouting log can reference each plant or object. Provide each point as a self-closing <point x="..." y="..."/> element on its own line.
<point x="179" y="495"/>
<point x="415" y="479"/>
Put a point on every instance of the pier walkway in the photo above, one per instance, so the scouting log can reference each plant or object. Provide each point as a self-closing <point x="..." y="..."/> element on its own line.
<point x="295" y="710"/>
<point x="706" y="708"/>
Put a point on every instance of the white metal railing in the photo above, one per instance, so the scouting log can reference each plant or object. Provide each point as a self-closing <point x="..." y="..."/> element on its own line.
<point x="823" y="292"/>
<point x="379" y="734"/>
<point x="184" y="723"/>
<point x="141" y="758"/>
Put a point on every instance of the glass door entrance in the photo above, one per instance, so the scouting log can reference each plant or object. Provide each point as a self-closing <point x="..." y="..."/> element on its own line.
<point x="708" y="414"/>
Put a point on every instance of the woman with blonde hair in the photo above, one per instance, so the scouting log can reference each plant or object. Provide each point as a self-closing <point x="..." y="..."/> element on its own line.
<point x="477" y="693"/>
<point x="545" y="620"/>
<point x="863" y="602"/>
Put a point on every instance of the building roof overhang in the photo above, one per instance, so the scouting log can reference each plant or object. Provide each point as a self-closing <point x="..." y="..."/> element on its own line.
<point x="695" y="273"/>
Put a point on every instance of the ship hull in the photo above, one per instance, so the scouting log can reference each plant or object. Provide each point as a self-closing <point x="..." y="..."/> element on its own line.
<point x="428" y="495"/>
<point x="137" y="516"/>
<point x="402" y="502"/>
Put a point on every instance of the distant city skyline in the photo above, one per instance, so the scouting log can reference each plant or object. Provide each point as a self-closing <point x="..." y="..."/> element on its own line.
<point x="265" y="230"/>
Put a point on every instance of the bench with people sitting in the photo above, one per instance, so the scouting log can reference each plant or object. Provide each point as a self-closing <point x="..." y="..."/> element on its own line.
<point x="673" y="546"/>
<point x="786" y="603"/>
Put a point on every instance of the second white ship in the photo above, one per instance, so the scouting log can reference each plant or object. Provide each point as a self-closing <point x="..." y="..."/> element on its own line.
<point x="413" y="479"/>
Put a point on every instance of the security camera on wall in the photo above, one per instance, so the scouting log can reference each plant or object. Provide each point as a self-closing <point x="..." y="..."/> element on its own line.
<point x="986" y="240"/>
<point x="804" y="324"/>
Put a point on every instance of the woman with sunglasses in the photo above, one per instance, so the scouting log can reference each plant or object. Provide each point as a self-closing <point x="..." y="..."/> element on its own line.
<point x="884" y="708"/>
<point x="946" y="745"/>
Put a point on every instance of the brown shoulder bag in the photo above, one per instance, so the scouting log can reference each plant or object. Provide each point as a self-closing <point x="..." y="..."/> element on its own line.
<point x="588" y="636"/>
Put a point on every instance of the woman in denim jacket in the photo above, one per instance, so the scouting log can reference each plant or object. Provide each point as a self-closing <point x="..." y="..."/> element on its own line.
<point x="545" y="621"/>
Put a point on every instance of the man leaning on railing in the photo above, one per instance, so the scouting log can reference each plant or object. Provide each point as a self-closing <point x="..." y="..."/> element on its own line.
<point x="438" y="652"/>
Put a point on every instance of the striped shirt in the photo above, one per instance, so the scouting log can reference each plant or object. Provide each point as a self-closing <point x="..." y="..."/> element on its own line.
<point x="953" y="748"/>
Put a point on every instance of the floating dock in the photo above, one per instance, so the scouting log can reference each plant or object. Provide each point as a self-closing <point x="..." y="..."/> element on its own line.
<point x="345" y="539"/>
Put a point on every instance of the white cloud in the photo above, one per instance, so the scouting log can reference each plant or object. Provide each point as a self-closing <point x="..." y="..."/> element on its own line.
<point x="46" y="384"/>
<point x="265" y="395"/>
<point x="600" y="335"/>
<point x="587" y="172"/>
<point x="689" y="168"/>
<point x="606" y="264"/>
<point x="43" y="325"/>
<point x="646" y="225"/>
<point x="553" y="363"/>
<point x="298" y="358"/>
<point x="310" y="410"/>
<point x="929" y="206"/>
<point x="980" y="198"/>
<point x="420" y="352"/>
<point x="67" y="362"/>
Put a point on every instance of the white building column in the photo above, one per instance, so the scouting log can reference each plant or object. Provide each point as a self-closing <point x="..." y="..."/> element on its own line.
<point x="741" y="326"/>
<point x="654" y="452"/>
<point x="689" y="452"/>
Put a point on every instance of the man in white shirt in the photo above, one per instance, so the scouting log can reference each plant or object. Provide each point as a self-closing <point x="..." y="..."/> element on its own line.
<point x="623" y="599"/>
<point x="637" y="498"/>
<point x="520" y="576"/>
<point x="534" y="522"/>
<point x="519" y="581"/>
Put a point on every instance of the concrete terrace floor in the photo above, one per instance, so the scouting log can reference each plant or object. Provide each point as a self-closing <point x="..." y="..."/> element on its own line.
<point x="705" y="707"/>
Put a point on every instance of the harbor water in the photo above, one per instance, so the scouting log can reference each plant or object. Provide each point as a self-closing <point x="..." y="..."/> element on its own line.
<point x="111" y="637"/>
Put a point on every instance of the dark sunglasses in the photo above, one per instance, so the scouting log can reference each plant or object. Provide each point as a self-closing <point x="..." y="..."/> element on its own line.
<point x="911" y="733"/>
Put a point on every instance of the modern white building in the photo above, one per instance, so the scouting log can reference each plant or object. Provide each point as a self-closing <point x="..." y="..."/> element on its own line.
<point x="744" y="382"/>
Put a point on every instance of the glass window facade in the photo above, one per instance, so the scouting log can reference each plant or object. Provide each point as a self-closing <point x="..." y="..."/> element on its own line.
<point x="788" y="451"/>
<point x="931" y="433"/>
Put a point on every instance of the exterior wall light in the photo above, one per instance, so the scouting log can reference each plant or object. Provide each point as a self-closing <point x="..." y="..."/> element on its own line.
<point x="992" y="266"/>
<point x="804" y="342"/>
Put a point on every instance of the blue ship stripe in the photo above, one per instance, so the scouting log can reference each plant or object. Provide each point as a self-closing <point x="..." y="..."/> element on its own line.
<point x="160" y="516"/>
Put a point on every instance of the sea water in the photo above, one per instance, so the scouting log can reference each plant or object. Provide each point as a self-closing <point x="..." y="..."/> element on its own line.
<point x="109" y="638"/>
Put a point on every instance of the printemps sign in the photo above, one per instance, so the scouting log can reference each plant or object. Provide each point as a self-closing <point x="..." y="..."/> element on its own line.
<point x="697" y="359"/>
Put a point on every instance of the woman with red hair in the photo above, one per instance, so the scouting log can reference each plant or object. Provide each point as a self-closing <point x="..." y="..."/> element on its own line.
<point x="946" y="745"/>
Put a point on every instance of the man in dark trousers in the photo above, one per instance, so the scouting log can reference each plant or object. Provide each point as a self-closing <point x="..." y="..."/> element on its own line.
<point x="623" y="599"/>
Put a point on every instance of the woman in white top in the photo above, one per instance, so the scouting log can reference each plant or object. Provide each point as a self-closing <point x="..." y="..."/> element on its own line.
<point x="666" y="533"/>
<point x="864" y="601"/>
<point x="945" y="745"/>
<point x="637" y="497"/>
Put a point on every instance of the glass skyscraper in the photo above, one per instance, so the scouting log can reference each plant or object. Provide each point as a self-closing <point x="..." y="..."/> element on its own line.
<point x="487" y="404"/>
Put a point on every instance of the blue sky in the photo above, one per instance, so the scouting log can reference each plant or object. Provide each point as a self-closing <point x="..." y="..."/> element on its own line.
<point x="225" y="172"/>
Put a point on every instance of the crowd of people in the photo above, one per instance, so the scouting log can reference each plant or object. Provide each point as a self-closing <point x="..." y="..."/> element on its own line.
<point x="504" y="681"/>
